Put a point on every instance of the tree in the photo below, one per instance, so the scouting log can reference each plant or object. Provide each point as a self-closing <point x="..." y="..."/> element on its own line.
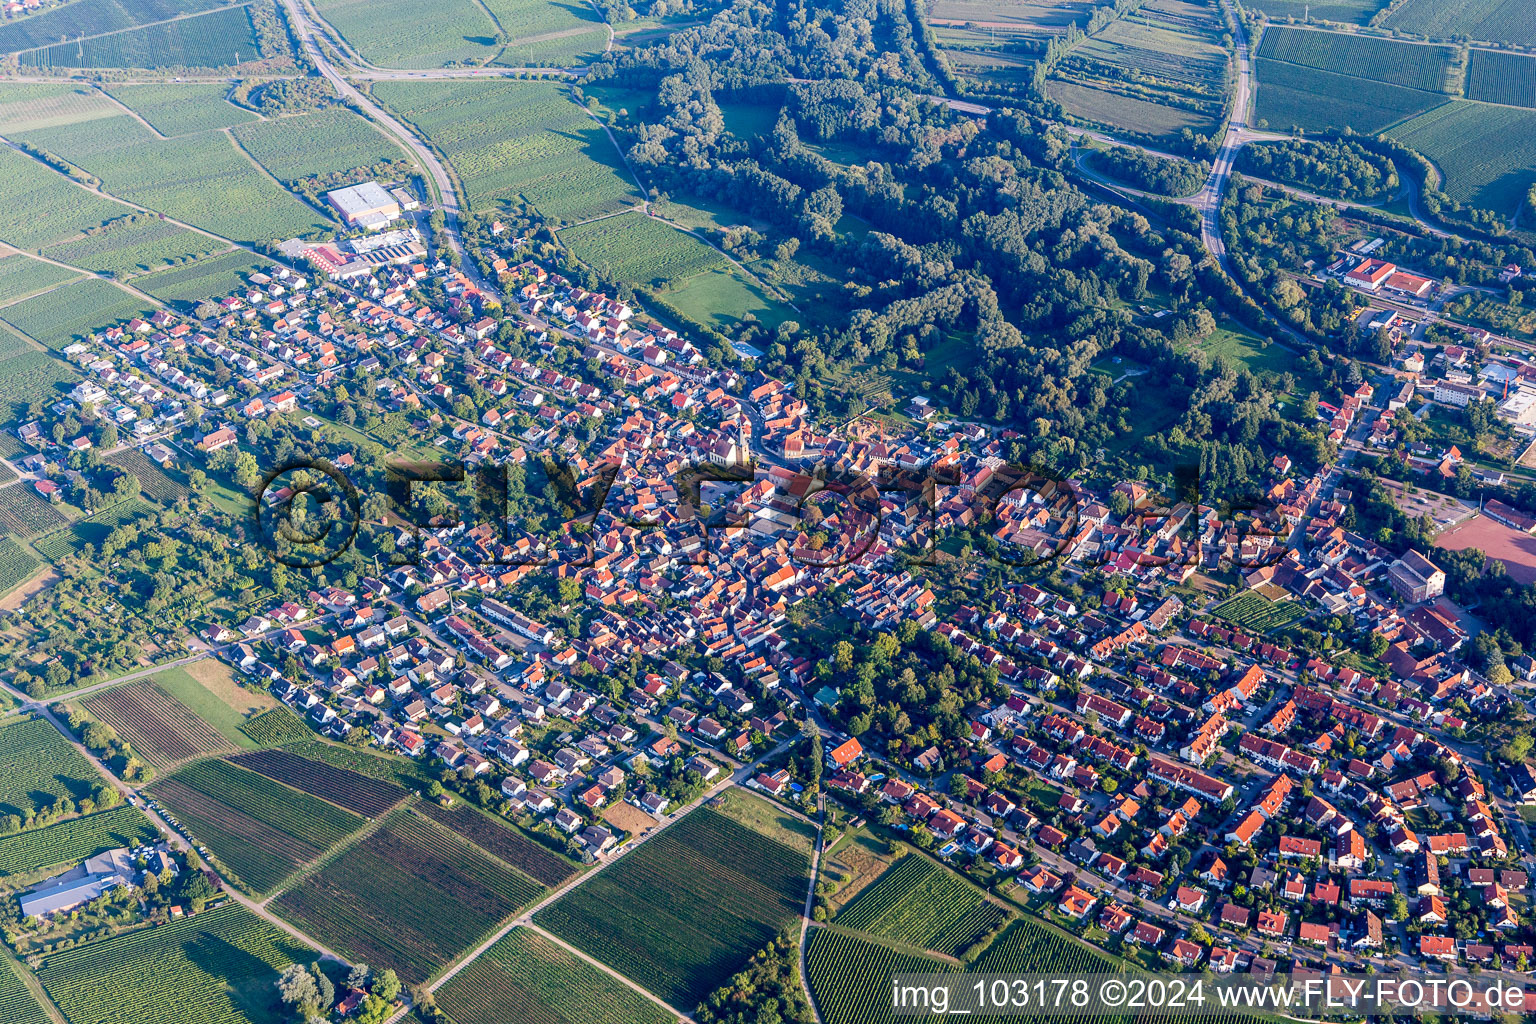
<point x="358" y="976"/>
<point x="387" y="986"/>
<point x="323" y="985"/>
<point x="298" y="990"/>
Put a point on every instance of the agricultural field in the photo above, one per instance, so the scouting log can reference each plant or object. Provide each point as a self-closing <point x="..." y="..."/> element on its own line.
<point x="28" y="376"/>
<point x="135" y="244"/>
<point x="517" y="140"/>
<point x="1494" y="21"/>
<point x="17" y="1004"/>
<point x="392" y="34"/>
<point x="26" y="515"/>
<point x="1168" y="55"/>
<point x="202" y="179"/>
<point x="259" y="830"/>
<point x="274" y="727"/>
<point x="217" y="39"/>
<point x="641" y="249"/>
<point x="400" y="772"/>
<point x="42" y="206"/>
<point x="722" y="297"/>
<point x="1123" y="112"/>
<point x="20" y="277"/>
<point x="324" y="142"/>
<point x="38" y="767"/>
<point x="87" y="534"/>
<point x="209" y="690"/>
<point x="210" y="278"/>
<point x="183" y="108"/>
<point x="75" y="839"/>
<point x="153" y="480"/>
<point x="687" y="908"/>
<point x="411" y="896"/>
<point x="357" y="793"/>
<point x="1347" y="12"/>
<point x="503" y="842"/>
<point x="1487" y="154"/>
<point x="16" y="565"/>
<point x="993" y="41"/>
<point x="70" y="313"/>
<point x="1258" y="614"/>
<point x="1289" y="96"/>
<point x="917" y="903"/>
<point x="219" y="967"/>
<point x="1498" y="77"/>
<point x="1410" y="65"/>
<point x="160" y="728"/>
<point x="526" y="978"/>
<point x="547" y="33"/>
<point x="93" y="17"/>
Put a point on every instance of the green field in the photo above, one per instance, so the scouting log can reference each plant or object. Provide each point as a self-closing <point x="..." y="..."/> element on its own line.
<point x="42" y="206"/>
<point x="89" y="533"/>
<point x="1293" y="96"/>
<point x="918" y="903"/>
<point x="527" y="978"/>
<point x="1125" y="112"/>
<point x="360" y="793"/>
<point x="393" y="34"/>
<point x="68" y="314"/>
<point x="411" y="897"/>
<point x="219" y="967"/>
<point x="1259" y="614"/>
<point x="134" y="244"/>
<point x="721" y="297"/>
<point x="75" y="839"/>
<point x="210" y="278"/>
<point x="327" y="141"/>
<point x="260" y="831"/>
<point x="504" y="842"/>
<point x="687" y="908"/>
<point x="17" y="1004"/>
<point x="26" y="515"/>
<point x="20" y="277"/>
<point x="548" y="33"/>
<point x="92" y="17"/>
<point x="1507" y="78"/>
<point x="26" y="376"/>
<point x="38" y="767"/>
<point x="208" y="705"/>
<point x="1410" y="65"/>
<point x="1349" y="12"/>
<point x="271" y="728"/>
<point x="179" y="109"/>
<point x="16" y="565"/>
<point x="1507" y="21"/>
<point x="634" y="247"/>
<point x="202" y="179"/>
<point x="511" y="140"/>
<point x="212" y="40"/>
<point x="1487" y="153"/>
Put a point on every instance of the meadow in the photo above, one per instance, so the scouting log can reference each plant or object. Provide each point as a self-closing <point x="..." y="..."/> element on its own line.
<point x="1258" y="614"/>
<point x="202" y="179"/>
<point x="161" y="729"/>
<point x="42" y="206"/>
<point x="1410" y="65"/>
<point x="212" y="40"/>
<point x="360" y="794"/>
<point x="641" y="249"/>
<point x="411" y="896"/>
<point x="1123" y="112"/>
<point x="393" y="34"/>
<point x="721" y="297"/>
<point x="525" y="977"/>
<point x="219" y="967"/>
<point x="504" y="842"/>
<point x="74" y="840"/>
<point x="208" y="688"/>
<point x="517" y="140"/>
<point x="1508" y="21"/>
<point x="20" y="277"/>
<point x="687" y="908"/>
<point x="134" y="244"/>
<point x="26" y="515"/>
<point x="323" y="142"/>
<point x="93" y="17"/>
<point x="183" y="108"/>
<point x="211" y="278"/>
<point x="38" y="767"/>
<point x="16" y="565"/>
<point x="918" y="903"/>
<point x="259" y="830"/>
<point x="1290" y="95"/>
<point x="70" y="313"/>
<point x="1498" y="77"/>
<point x="1487" y="154"/>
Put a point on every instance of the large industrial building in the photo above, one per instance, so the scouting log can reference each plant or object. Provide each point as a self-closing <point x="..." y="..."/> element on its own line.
<point x="365" y="206"/>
